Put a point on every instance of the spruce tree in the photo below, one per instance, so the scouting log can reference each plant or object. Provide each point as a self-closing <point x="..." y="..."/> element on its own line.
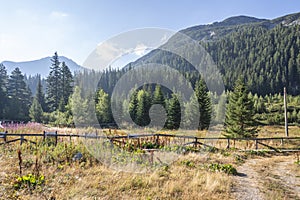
<point x="158" y="96"/>
<point x="143" y="106"/>
<point x="103" y="108"/>
<point x="173" y="113"/>
<point x="133" y="105"/>
<point x="204" y="104"/>
<point x="40" y="96"/>
<point x="78" y="106"/>
<point x="239" y="121"/>
<point x="54" y="84"/>
<point x="66" y="83"/>
<point x="19" y="96"/>
<point x="3" y="91"/>
<point x="156" y="111"/>
<point x="36" y="111"/>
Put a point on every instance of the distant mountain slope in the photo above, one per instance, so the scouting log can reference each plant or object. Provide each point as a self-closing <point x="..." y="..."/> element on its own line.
<point x="218" y="30"/>
<point x="41" y="66"/>
<point x="265" y="52"/>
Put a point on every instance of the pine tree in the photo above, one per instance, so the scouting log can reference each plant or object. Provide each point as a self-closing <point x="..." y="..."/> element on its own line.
<point x="66" y="83"/>
<point x="54" y="84"/>
<point x="204" y="105"/>
<point x="173" y="113"/>
<point x="40" y="96"/>
<point x="3" y="91"/>
<point x="158" y="96"/>
<point x="156" y="111"/>
<point x="103" y="108"/>
<point x="133" y="105"/>
<point x="143" y="106"/>
<point x="240" y="122"/>
<point x="78" y="106"/>
<point x="19" y="96"/>
<point x="36" y="111"/>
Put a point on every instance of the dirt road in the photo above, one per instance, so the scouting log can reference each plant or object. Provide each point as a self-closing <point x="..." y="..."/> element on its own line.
<point x="276" y="177"/>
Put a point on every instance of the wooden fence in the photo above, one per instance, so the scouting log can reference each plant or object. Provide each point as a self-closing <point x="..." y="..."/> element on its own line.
<point x="272" y="143"/>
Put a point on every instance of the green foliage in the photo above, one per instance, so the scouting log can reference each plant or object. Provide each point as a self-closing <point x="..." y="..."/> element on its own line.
<point x="133" y="105"/>
<point x="19" y="96"/>
<point x="59" y="84"/>
<point x="54" y="84"/>
<point x="173" y="113"/>
<point x="67" y="83"/>
<point x="143" y="106"/>
<point x="103" y="109"/>
<point x="3" y="91"/>
<point x="36" y="111"/>
<point x="158" y="96"/>
<point x="258" y="153"/>
<point x="188" y="163"/>
<point x="240" y="120"/>
<point x="81" y="108"/>
<point x="204" y="101"/>
<point x="269" y="58"/>
<point x="226" y="168"/>
<point x="29" y="181"/>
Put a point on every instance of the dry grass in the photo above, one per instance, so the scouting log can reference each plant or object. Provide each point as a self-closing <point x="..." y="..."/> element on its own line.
<point x="92" y="180"/>
<point x="278" y="177"/>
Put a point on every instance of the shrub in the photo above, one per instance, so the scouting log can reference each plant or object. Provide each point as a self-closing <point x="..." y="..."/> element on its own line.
<point x="226" y="168"/>
<point x="188" y="163"/>
<point x="29" y="181"/>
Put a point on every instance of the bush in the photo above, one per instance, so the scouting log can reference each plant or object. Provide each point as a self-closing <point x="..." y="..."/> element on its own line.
<point x="226" y="168"/>
<point x="29" y="181"/>
<point x="188" y="163"/>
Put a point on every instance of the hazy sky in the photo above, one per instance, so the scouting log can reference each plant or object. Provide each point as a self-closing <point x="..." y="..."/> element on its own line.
<point x="32" y="29"/>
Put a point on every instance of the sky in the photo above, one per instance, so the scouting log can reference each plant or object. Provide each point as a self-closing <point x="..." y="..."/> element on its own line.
<point x="32" y="29"/>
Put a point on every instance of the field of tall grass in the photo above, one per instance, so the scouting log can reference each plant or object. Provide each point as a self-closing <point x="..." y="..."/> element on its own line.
<point x="70" y="171"/>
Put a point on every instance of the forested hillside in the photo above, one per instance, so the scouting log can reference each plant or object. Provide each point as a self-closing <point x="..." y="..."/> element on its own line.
<point x="265" y="52"/>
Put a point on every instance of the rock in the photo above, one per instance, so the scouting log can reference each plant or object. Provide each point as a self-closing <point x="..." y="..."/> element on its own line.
<point x="77" y="156"/>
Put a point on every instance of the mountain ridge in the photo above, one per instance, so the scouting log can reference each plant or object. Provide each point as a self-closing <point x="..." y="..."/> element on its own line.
<point x="40" y="66"/>
<point x="266" y="49"/>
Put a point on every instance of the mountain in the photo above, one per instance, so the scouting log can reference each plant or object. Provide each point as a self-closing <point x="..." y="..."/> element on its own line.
<point x="218" y="30"/>
<point x="41" y="66"/>
<point x="265" y="52"/>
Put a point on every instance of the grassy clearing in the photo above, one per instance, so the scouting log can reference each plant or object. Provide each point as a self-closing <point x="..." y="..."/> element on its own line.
<point x="187" y="178"/>
<point x="190" y="177"/>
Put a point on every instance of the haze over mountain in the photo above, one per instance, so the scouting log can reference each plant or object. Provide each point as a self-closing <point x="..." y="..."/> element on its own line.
<point x="265" y="52"/>
<point x="41" y="66"/>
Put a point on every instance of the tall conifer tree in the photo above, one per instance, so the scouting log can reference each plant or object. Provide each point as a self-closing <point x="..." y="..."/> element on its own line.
<point x="240" y="112"/>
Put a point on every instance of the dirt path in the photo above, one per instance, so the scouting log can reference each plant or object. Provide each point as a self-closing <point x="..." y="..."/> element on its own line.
<point x="246" y="183"/>
<point x="267" y="178"/>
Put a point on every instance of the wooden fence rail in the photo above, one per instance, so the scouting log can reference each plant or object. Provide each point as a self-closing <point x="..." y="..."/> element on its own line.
<point x="202" y="141"/>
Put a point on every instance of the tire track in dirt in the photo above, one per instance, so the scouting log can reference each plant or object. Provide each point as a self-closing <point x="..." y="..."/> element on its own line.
<point x="246" y="182"/>
<point x="255" y="174"/>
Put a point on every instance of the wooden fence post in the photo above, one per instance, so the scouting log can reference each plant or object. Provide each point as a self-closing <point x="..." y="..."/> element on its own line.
<point x="44" y="135"/>
<point x="4" y="137"/>
<point x="157" y="140"/>
<point x="256" y="144"/>
<point x="21" y="139"/>
<point x="228" y="143"/>
<point x="55" y="138"/>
